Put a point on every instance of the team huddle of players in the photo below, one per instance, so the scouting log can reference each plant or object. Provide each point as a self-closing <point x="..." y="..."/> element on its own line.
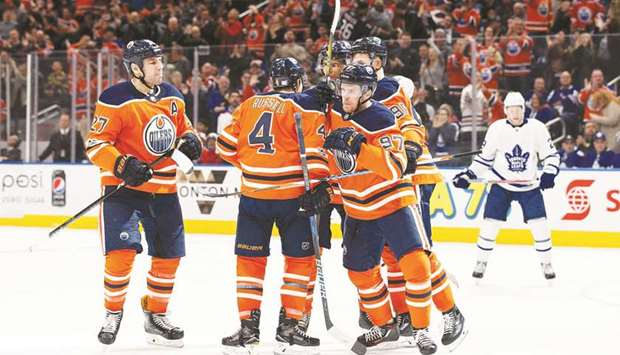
<point x="355" y="120"/>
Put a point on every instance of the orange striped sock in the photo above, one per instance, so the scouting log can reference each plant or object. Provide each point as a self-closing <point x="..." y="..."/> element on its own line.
<point x="396" y="281"/>
<point x="118" y="264"/>
<point x="416" y="267"/>
<point x="250" y="276"/>
<point x="294" y="288"/>
<point x="442" y="292"/>
<point x="373" y="294"/>
<point x="310" y="293"/>
<point x="160" y="282"/>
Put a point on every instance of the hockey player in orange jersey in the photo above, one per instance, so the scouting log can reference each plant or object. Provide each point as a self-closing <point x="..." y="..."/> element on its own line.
<point x="262" y="141"/>
<point x="136" y="122"/>
<point x="379" y="209"/>
<point x="396" y="96"/>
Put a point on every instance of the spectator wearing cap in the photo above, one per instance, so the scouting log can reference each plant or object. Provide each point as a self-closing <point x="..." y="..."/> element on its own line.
<point x="564" y="100"/>
<point x="609" y="118"/>
<point x="595" y="84"/>
<point x="566" y="148"/>
<point x="603" y="156"/>
<point x="539" y="110"/>
<point x="596" y="157"/>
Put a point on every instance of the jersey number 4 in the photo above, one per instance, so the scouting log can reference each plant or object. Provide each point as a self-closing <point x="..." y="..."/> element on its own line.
<point x="261" y="134"/>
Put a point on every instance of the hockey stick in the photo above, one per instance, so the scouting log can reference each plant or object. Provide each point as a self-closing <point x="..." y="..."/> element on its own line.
<point x="336" y="177"/>
<point x="314" y="226"/>
<point x="258" y="6"/>
<point x="179" y="158"/>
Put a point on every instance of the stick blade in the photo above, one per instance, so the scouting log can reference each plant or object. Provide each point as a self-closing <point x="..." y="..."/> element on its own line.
<point x="183" y="162"/>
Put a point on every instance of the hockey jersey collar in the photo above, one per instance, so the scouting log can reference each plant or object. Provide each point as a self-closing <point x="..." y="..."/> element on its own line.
<point x="521" y="125"/>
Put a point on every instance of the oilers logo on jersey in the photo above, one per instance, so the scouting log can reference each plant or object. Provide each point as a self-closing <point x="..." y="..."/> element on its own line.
<point x="345" y="161"/>
<point x="159" y="134"/>
<point x="517" y="161"/>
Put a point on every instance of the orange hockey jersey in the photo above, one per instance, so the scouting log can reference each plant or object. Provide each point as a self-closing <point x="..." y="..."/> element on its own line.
<point x="467" y="21"/>
<point x="384" y="191"/>
<point x="262" y="141"/>
<point x="517" y="54"/>
<point x="583" y="13"/>
<point x="538" y="16"/>
<point x="392" y="94"/>
<point x="128" y="122"/>
<point x="458" y="69"/>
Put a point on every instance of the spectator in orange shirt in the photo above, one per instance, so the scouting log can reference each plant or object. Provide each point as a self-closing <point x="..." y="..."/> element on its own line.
<point x="209" y="155"/>
<point x="595" y="84"/>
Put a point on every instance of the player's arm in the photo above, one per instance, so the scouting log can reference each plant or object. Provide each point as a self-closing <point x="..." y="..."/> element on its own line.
<point x="485" y="159"/>
<point x="100" y="149"/>
<point x="549" y="156"/>
<point x="314" y="137"/>
<point x="104" y="130"/>
<point x="191" y="145"/>
<point x="384" y="154"/>
<point x="227" y="140"/>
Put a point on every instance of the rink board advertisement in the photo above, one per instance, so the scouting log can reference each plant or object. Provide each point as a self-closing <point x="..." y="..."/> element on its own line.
<point x="583" y="208"/>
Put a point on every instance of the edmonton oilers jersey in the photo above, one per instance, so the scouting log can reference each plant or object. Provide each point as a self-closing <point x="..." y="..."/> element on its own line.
<point x="145" y="126"/>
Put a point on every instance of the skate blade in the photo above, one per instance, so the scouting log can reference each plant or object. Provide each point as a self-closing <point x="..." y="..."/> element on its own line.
<point x="239" y="350"/>
<point x="286" y="348"/>
<point x="458" y="341"/>
<point x="154" y="339"/>
<point x="360" y="349"/>
<point x="407" y="342"/>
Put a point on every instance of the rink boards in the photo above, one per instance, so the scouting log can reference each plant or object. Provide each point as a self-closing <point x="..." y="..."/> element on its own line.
<point x="583" y="208"/>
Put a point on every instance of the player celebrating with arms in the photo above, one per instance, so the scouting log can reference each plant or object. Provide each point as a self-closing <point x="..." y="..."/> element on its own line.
<point x="512" y="150"/>
<point x="136" y="122"/>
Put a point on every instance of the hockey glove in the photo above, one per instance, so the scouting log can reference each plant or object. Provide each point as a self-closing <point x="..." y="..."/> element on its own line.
<point x="345" y="139"/>
<point x="413" y="151"/>
<point x="133" y="171"/>
<point x="316" y="200"/>
<point x="191" y="146"/>
<point x="463" y="179"/>
<point x="547" y="181"/>
<point x="326" y="92"/>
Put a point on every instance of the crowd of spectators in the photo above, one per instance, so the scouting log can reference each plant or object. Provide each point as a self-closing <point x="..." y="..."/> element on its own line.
<point x="560" y="54"/>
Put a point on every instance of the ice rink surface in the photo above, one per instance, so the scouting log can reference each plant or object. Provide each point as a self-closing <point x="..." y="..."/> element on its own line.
<point x="52" y="299"/>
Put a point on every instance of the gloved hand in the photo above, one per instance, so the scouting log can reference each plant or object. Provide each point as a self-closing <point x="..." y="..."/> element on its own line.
<point x="345" y="139"/>
<point x="316" y="200"/>
<point x="191" y="146"/>
<point x="326" y="92"/>
<point x="463" y="179"/>
<point x="413" y="151"/>
<point x="547" y="181"/>
<point x="132" y="170"/>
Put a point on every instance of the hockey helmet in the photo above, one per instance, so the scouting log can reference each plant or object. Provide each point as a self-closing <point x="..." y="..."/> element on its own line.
<point x="285" y="72"/>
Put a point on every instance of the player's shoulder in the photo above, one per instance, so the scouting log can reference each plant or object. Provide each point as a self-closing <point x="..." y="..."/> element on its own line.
<point x="118" y="94"/>
<point x="306" y="101"/>
<point x="386" y="87"/>
<point x="375" y="118"/>
<point x="169" y="90"/>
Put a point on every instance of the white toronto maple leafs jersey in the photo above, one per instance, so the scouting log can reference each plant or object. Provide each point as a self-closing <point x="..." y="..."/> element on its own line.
<point x="513" y="153"/>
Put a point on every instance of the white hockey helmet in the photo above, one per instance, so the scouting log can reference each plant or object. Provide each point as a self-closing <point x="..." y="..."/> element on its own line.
<point x="514" y="98"/>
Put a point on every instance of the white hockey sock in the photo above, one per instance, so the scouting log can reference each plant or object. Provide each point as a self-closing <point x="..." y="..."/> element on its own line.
<point x="487" y="237"/>
<point x="542" y="238"/>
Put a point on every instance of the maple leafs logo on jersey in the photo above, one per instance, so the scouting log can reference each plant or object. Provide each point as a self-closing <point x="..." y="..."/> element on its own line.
<point x="517" y="161"/>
